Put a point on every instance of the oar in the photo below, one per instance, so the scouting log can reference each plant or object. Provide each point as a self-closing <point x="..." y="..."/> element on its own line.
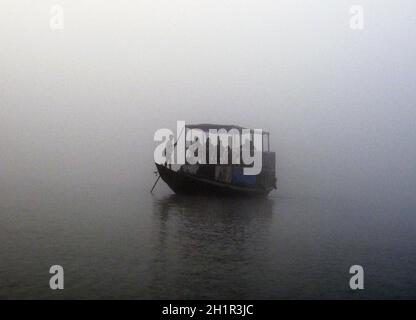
<point x="155" y="184"/>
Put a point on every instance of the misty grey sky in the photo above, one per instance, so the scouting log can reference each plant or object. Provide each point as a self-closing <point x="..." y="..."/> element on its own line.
<point x="80" y="105"/>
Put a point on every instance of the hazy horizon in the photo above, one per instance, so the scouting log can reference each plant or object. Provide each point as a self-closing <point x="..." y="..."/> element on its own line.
<point x="79" y="106"/>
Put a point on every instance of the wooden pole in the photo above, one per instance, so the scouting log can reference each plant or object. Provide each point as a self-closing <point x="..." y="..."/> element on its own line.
<point x="155" y="184"/>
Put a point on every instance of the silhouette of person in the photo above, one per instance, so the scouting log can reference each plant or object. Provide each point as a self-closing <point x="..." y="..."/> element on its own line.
<point x="246" y="147"/>
<point x="212" y="156"/>
<point x="169" y="152"/>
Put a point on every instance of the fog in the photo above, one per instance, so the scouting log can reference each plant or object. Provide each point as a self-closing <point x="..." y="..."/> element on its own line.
<point x="79" y="106"/>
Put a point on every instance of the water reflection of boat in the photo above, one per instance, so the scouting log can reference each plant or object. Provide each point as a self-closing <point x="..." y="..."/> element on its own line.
<point x="214" y="244"/>
<point x="222" y="179"/>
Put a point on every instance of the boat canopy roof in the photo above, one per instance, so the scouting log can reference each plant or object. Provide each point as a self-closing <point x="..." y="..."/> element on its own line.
<point x="208" y="126"/>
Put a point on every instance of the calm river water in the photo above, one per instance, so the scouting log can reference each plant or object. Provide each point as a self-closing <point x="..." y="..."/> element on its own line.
<point x="128" y="244"/>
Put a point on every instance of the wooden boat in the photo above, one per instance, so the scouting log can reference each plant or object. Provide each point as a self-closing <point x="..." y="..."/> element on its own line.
<point x="209" y="179"/>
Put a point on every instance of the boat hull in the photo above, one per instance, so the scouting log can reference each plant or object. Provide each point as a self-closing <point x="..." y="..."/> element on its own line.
<point x="183" y="183"/>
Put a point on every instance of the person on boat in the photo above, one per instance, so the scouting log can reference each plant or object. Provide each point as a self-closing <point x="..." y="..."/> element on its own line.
<point x="212" y="152"/>
<point x="169" y="152"/>
<point x="246" y="147"/>
<point x="222" y="154"/>
<point x="197" y="146"/>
